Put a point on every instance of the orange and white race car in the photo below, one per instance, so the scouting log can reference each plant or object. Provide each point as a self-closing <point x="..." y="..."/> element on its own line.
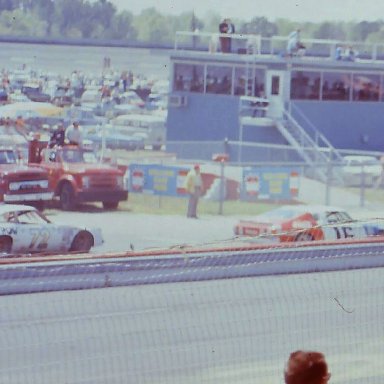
<point x="306" y="223"/>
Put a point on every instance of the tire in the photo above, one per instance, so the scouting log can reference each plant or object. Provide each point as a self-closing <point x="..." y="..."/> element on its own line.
<point x="5" y="245"/>
<point x="67" y="197"/>
<point x="304" y="236"/>
<point x="110" y="204"/>
<point x="82" y="242"/>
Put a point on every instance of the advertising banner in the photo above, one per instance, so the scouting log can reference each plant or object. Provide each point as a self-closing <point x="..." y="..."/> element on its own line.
<point x="157" y="179"/>
<point x="269" y="183"/>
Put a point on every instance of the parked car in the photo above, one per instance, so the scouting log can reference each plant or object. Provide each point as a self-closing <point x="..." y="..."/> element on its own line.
<point x="62" y="101"/>
<point x="306" y="223"/>
<point x="113" y="139"/>
<point x="356" y="166"/>
<point x="26" y="230"/>
<point x="34" y="93"/>
<point x="156" y="101"/>
<point x="132" y="98"/>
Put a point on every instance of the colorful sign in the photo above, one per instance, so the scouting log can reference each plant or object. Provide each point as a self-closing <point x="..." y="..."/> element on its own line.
<point x="269" y="183"/>
<point x="157" y="179"/>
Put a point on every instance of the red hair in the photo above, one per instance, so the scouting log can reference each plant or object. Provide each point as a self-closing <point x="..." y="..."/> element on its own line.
<point x="306" y="367"/>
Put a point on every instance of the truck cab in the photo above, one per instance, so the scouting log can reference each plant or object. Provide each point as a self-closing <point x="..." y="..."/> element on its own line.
<point x="21" y="183"/>
<point x="77" y="176"/>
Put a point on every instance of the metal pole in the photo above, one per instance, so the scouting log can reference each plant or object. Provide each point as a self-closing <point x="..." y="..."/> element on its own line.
<point x="102" y="142"/>
<point x="222" y="181"/>
<point x="328" y="184"/>
<point x="240" y="139"/>
<point x="362" y="187"/>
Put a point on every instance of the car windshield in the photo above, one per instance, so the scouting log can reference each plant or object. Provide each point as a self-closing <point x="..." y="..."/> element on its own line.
<point x="24" y="217"/>
<point x="78" y="155"/>
<point x="7" y="157"/>
<point x="362" y="161"/>
<point x="338" y="217"/>
<point x="279" y="214"/>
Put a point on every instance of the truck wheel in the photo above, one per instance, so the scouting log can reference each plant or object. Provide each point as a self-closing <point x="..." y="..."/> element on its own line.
<point x="110" y="204"/>
<point x="67" y="197"/>
<point x="82" y="242"/>
<point x="5" y="244"/>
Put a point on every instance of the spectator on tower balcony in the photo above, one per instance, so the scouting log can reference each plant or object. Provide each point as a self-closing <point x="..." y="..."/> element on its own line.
<point x="294" y="44"/>
<point x="226" y="27"/>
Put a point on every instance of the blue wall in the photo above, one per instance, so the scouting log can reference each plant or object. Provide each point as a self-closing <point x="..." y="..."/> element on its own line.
<point x="347" y="125"/>
<point x="214" y="118"/>
<point x="205" y="118"/>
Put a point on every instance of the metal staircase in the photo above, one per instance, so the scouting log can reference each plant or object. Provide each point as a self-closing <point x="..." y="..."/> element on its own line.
<point x="314" y="148"/>
<point x="253" y="49"/>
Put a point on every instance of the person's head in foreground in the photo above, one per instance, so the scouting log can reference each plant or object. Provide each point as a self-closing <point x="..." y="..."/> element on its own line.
<point x="306" y="367"/>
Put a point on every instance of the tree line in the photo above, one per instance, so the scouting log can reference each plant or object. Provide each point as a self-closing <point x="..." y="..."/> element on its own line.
<point x="100" y="19"/>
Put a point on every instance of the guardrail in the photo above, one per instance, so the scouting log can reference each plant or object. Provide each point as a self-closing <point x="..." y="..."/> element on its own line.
<point x="44" y="274"/>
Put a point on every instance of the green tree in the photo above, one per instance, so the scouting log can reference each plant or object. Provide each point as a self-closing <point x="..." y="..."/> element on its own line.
<point x="8" y="5"/>
<point x="259" y="26"/>
<point x="360" y="31"/>
<point x="45" y="10"/>
<point x="103" y="12"/>
<point x="18" y="23"/>
<point x="152" y="26"/>
<point x="330" y="31"/>
<point x="122" y="27"/>
<point x="376" y="37"/>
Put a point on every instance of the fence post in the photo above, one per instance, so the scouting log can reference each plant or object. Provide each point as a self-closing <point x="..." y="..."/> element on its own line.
<point x="222" y="180"/>
<point x="328" y="183"/>
<point x="362" y="187"/>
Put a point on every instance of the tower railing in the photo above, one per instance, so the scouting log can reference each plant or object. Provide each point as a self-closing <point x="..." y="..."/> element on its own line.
<point x="276" y="45"/>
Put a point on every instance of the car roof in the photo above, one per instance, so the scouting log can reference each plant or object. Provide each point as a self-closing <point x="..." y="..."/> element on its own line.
<point x="318" y="208"/>
<point x="359" y="157"/>
<point x="6" y="208"/>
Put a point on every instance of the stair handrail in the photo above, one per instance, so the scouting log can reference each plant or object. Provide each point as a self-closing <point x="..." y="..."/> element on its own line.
<point x="311" y="144"/>
<point x="319" y="137"/>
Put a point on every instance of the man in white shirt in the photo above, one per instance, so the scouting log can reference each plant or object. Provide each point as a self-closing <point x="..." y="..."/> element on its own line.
<point x="74" y="135"/>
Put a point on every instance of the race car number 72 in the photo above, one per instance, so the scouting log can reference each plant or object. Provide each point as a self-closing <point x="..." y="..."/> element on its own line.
<point x="39" y="240"/>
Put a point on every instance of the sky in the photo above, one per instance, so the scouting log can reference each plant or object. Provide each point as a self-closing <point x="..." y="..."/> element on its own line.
<point x="295" y="10"/>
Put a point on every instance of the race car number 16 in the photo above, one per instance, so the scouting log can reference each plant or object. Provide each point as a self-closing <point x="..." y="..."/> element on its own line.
<point x="344" y="232"/>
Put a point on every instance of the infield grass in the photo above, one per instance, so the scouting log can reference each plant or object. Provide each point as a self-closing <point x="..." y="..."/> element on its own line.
<point x="142" y="203"/>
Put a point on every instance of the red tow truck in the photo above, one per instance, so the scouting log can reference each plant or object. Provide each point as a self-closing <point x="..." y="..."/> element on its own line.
<point x="77" y="176"/>
<point x="21" y="183"/>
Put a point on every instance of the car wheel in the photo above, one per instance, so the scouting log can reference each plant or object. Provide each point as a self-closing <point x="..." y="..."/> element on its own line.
<point x="110" y="204"/>
<point x="304" y="236"/>
<point x="67" y="197"/>
<point x="82" y="242"/>
<point x="5" y="244"/>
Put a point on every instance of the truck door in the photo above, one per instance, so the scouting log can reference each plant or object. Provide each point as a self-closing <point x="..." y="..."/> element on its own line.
<point x="51" y="163"/>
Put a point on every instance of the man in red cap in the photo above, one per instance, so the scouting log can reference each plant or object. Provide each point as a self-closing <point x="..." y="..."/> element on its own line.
<point x="194" y="186"/>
